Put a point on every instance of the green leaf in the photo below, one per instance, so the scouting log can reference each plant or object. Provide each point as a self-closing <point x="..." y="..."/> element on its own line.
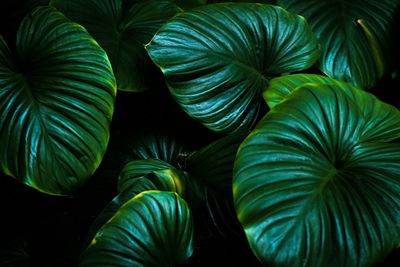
<point x="152" y="229"/>
<point x="281" y="87"/>
<point x="122" y="28"/>
<point x="136" y="177"/>
<point x="354" y="36"/>
<point x="212" y="165"/>
<point x="151" y="174"/>
<point x="115" y="204"/>
<point x="57" y="95"/>
<point x="317" y="182"/>
<point x="153" y="145"/>
<point x="217" y="63"/>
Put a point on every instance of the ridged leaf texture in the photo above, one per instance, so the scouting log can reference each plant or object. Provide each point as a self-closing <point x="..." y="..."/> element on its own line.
<point x="317" y="182"/>
<point x="57" y="93"/>
<point x="355" y="36"/>
<point x="122" y="28"/>
<point x="217" y="59"/>
<point x="152" y="229"/>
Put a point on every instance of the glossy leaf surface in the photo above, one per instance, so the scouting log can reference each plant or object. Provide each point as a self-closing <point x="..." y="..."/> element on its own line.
<point x="151" y="174"/>
<point x="152" y="229"/>
<point x="217" y="62"/>
<point x="57" y="95"/>
<point x="281" y="87"/>
<point x="122" y="28"/>
<point x="317" y="182"/>
<point x="354" y="36"/>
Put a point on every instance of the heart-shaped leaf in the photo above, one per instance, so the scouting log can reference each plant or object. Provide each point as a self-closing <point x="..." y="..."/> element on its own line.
<point x="218" y="59"/>
<point x="317" y="182"/>
<point x="152" y="229"/>
<point x="354" y="36"/>
<point x="122" y="28"/>
<point x="57" y="95"/>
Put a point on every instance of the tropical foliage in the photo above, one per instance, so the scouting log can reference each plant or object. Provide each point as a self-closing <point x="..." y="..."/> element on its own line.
<point x="168" y="132"/>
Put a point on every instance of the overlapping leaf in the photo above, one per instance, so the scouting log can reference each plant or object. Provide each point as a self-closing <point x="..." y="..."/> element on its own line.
<point x="354" y="35"/>
<point x="217" y="62"/>
<point x="122" y="28"/>
<point x="155" y="174"/>
<point x="317" y="182"/>
<point x="281" y="87"/>
<point x="57" y="94"/>
<point x="152" y="229"/>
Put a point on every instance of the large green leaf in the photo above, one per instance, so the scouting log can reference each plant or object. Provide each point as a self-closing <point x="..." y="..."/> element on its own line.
<point x="152" y="229"/>
<point x="217" y="62"/>
<point x="354" y="35"/>
<point x="317" y="182"/>
<point x="57" y="95"/>
<point x="122" y="27"/>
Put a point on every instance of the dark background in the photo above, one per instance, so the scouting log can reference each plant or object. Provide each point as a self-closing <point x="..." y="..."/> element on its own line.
<point x="42" y="230"/>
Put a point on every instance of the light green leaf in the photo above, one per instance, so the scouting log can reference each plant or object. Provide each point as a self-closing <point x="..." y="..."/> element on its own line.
<point x="217" y="62"/>
<point x="122" y="28"/>
<point x="159" y="175"/>
<point x="317" y="182"/>
<point x="152" y="229"/>
<point x="57" y="95"/>
<point x="354" y="35"/>
<point x="281" y="87"/>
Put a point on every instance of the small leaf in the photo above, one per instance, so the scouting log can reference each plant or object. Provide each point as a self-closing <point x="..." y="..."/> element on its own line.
<point x="217" y="63"/>
<point x="152" y="229"/>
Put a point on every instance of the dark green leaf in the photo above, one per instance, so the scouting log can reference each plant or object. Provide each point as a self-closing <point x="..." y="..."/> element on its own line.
<point x="15" y="253"/>
<point x="354" y="35"/>
<point x="122" y="28"/>
<point x="218" y="59"/>
<point x="213" y="164"/>
<point x="57" y="95"/>
<point x="317" y="182"/>
<point x="152" y="229"/>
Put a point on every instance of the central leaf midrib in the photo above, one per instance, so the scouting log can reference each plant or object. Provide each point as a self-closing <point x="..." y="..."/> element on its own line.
<point x="231" y="60"/>
<point x="307" y="203"/>
<point x="35" y="106"/>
